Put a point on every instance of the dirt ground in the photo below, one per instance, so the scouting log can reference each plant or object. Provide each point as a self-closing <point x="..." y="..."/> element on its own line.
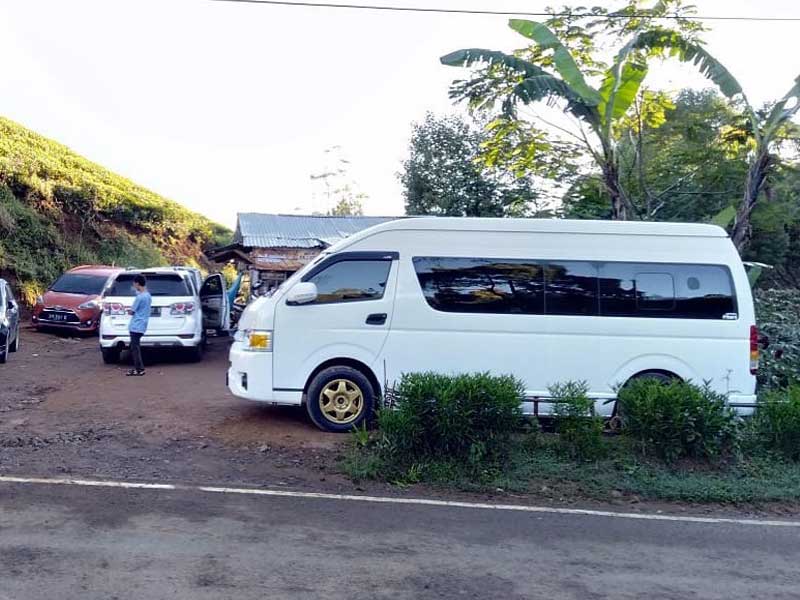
<point x="62" y="411"/>
<point x="65" y="413"/>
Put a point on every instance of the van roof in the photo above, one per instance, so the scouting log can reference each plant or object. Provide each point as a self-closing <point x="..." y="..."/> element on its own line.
<point x="648" y="228"/>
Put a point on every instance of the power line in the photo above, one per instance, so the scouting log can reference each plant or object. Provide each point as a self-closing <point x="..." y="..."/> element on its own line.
<point x="501" y="13"/>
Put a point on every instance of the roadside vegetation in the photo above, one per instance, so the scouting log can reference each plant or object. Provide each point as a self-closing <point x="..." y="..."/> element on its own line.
<point x="678" y="442"/>
<point x="778" y="317"/>
<point x="58" y="210"/>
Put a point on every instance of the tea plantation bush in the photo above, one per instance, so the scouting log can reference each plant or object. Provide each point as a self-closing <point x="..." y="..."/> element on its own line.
<point x="778" y="316"/>
<point x="462" y="419"/>
<point x="59" y="210"/>
<point x="777" y="422"/>
<point x="580" y="429"/>
<point x="677" y="420"/>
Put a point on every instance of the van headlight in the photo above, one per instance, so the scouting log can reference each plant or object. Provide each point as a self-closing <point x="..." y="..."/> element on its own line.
<point x="255" y="340"/>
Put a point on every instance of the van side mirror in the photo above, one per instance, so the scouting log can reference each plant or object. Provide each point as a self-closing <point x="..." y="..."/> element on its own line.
<point x="302" y="293"/>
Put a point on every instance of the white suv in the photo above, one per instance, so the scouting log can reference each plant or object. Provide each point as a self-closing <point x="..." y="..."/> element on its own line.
<point x="180" y="312"/>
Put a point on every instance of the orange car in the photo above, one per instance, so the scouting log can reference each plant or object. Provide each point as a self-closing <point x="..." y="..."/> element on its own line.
<point x="73" y="301"/>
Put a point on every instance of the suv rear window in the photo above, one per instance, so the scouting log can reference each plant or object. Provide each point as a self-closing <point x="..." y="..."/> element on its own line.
<point x="74" y="283"/>
<point x="158" y="285"/>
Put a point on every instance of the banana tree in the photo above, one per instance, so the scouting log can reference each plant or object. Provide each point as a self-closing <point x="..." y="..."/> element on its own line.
<point x="766" y="133"/>
<point x="511" y="80"/>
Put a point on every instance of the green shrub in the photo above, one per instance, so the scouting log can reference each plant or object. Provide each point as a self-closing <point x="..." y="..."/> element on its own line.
<point x="8" y="223"/>
<point x="677" y="420"/>
<point x="776" y="424"/>
<point x="778" y="316"/>
<point x="580" y="429"/>
<point x="466" y="419"/>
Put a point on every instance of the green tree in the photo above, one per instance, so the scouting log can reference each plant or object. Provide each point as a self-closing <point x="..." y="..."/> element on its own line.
<point x="775" y="227"/>
<point x="444" y="176"/>
<point x="691" y="167"/>
<point x="549" y="72"/>
<point x="688" y="165"/>
<point x="769" y="129"/>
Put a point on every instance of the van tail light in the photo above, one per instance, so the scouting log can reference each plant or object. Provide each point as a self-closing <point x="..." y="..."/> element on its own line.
<point x="181" y="308"/>
<point x="753" y="349"/>
<point x="114" y="308"/>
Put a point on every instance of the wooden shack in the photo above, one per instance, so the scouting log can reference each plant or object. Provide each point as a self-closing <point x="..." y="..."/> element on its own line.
<point x="269" y="248"/>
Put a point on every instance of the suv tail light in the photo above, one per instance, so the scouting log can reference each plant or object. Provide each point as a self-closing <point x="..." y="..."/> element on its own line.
<point x="753" y="349"/>
<point x="114" y="308"/>
<point x="181" y="308"/>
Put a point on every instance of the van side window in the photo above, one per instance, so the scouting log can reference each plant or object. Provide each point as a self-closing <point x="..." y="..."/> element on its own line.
<point x="666" y="290"/>
<point x="571" y="288"/>
<point x="654" y="291"/>
<point x="703" y="292"/>
<point x="481" y="285"/>
<point x="533" y="287"/>
<point x="352" y="280"/>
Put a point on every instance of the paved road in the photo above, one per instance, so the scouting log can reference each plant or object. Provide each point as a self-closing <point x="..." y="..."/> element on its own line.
<point x="85" y="543"/>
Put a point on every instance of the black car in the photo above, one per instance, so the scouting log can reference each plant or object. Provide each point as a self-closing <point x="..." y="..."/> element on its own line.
<point x="9" y="321"/>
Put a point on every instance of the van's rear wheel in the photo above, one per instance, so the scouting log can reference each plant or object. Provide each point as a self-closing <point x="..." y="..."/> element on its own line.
<point x="110" y="355"/>
<point x="617" y="420"/>
<point x="659" y="376"/>
<point x="339" y="399"/>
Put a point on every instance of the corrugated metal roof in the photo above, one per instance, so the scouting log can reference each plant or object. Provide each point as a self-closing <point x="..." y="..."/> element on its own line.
<point x="257" y="230"/>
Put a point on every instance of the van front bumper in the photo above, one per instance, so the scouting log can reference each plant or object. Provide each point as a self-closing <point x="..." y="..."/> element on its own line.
<point x="250" y="374"/>
<point x="250" y="377"/>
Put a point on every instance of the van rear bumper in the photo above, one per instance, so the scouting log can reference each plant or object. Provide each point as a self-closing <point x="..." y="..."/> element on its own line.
<point x="744" y="404"/>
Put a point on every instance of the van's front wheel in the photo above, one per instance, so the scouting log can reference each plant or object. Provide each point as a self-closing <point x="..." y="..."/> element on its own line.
<point x="339" y="399"/>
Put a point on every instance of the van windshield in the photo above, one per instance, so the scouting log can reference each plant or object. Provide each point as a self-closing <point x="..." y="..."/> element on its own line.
<point x="297" y="275"/>
<point x="73" y="283"/>
<point x="165" y="284"/>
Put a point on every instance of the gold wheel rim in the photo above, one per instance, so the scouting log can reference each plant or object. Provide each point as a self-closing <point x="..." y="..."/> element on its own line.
<point x="341" y="401"/>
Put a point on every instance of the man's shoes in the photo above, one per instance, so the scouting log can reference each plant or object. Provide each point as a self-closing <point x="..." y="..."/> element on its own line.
<point x="135" y="373"/>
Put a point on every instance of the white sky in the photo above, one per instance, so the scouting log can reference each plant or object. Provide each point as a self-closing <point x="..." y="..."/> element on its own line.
<point x="228" y="108"/>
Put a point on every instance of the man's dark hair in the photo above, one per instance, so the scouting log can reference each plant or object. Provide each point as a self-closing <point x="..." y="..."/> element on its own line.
<point x="140" y="280"/>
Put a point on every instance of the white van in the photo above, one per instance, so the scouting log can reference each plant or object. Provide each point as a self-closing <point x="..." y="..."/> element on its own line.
<point x="544" y="300"/>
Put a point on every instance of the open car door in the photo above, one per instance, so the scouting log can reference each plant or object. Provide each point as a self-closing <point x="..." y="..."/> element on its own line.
<point x="214" y="300"/>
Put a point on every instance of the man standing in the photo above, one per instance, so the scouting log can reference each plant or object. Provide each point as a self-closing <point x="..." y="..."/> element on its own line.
<point x="138" y="326"/>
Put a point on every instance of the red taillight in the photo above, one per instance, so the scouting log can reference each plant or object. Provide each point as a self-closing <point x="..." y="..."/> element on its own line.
<point x="753" y="349"/>
<point x="114" y="308"/>
<point x="182" y="308"/>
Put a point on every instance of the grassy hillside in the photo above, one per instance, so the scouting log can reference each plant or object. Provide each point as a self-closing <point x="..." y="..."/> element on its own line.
<point x="58" y="210"/>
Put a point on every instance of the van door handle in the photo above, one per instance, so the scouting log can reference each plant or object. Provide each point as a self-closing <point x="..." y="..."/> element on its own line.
<point x="377" y="319"/>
